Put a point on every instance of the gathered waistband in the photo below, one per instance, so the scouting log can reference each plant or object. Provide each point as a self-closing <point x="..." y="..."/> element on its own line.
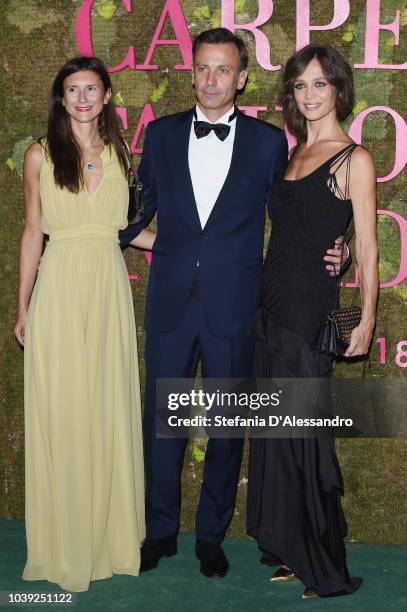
<point x="83" y="232"/>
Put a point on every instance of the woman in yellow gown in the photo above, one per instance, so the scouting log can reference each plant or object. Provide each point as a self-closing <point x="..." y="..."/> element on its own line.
<point x="84" y="457"/>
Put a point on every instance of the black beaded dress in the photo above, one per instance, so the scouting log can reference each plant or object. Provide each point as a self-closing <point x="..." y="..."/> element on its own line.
<point x="295" y="484"/>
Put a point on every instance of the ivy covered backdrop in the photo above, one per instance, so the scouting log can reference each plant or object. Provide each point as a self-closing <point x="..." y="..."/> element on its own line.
<point x="38" y="36"/>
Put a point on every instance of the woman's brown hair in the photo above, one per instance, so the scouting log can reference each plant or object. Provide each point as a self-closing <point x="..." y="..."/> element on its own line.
<point x="62" y="145"/>
<point x="337" y="72"/>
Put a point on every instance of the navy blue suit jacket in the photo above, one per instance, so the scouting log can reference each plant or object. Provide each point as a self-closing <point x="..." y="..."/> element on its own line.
<point x="230" y="246"/>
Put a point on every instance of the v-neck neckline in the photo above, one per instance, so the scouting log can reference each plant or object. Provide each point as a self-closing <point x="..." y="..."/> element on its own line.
<point x="101" y="155"/>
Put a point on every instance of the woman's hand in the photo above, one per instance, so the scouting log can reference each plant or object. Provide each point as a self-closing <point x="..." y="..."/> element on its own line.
<point x="360" y="340"/>
<point x="19" y="328"/>
<point x="336" y="258"/>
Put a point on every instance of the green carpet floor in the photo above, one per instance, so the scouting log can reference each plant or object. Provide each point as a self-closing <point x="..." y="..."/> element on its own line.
<point x="177" y="586"/>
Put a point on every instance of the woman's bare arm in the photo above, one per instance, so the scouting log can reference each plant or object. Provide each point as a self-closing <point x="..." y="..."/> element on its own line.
<point x="144" y="240"/>
<point x="32" y="238"/>
<point x="363" y="196"/>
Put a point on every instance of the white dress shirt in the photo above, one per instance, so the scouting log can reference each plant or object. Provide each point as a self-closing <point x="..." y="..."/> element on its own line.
<point x="209" y="162"/>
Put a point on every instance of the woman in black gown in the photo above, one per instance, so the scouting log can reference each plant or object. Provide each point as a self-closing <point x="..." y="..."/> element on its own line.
<point x="295" y="484"/>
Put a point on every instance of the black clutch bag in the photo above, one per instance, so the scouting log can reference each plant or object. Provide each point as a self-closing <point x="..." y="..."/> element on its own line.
<point x="337" y="325"/>
<point x="336" y="329"/>
<point x="136" y="208"/>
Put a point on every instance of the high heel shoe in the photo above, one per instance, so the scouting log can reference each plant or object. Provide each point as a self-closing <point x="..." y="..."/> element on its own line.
<point x="283" y="574"/>
<point x="309" y="594"/>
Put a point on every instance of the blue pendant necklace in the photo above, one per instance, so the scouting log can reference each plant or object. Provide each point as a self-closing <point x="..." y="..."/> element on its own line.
<point x="89" y="166"/>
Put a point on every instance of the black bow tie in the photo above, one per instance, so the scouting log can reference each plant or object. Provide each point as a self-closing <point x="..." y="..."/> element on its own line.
<point x="203" y="128"/>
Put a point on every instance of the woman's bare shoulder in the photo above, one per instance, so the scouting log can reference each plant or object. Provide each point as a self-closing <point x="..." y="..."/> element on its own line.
<point x="361" y="159"/>
<point x="33" y="158"/>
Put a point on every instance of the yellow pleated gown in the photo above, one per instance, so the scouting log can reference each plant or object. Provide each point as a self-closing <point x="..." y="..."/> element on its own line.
<point x="84" y="456"/>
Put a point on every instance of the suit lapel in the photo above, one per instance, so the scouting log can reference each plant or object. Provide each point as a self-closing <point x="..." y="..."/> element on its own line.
<point x="180" y="167"/>
<point x="242" y="156"/>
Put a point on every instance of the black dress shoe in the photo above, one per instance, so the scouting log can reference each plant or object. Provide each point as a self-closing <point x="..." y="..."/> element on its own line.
<point x="213" y="560"/>
<point x="153" y="549"/>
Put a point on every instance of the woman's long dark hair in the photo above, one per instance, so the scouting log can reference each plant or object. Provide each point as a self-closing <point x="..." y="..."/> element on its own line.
<point x="336" y="71"/>
<point x="62" y="145"/>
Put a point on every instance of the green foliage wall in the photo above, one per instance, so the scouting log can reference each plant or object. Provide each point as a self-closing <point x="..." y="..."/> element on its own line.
<point x="37" y="38"/>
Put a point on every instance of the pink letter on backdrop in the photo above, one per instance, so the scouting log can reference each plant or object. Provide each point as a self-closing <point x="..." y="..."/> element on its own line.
<point x="341" y="13"/>
<point x="173" y="10"/>
<point x="400" y="159"/>
<point x="372" y="35"/>
<point x="252" y="111"/>
<point x="402" y="273"/>
<point x="146" y="116"/>
<point x="263" y="51"/>
<point x="84" y="40"/>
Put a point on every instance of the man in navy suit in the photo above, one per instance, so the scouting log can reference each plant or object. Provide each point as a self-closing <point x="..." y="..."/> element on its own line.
<point x="207" y="173"/>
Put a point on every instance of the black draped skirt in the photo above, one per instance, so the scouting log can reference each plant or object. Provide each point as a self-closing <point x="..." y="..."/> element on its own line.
<point x="295" y="484"/>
